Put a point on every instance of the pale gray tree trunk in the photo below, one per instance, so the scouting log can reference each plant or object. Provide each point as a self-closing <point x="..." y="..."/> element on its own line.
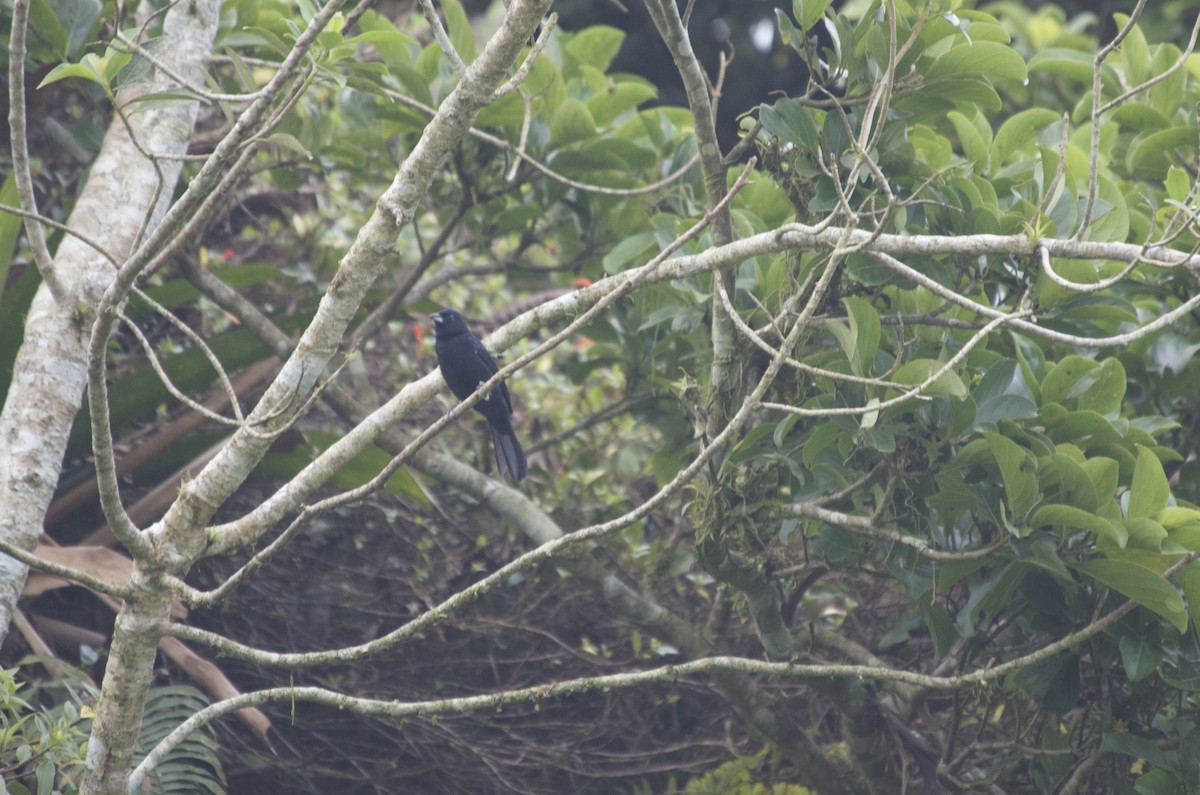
<point x="123" y="191"/>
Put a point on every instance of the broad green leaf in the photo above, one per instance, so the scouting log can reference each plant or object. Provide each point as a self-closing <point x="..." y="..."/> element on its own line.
<point x="1110" y="220"/>
<point x="990" y="597"/>
<point x="1021" y="129"/>
<point x="381" y="33"/>
<point x="1107" y="390"/>
<point x="605" y="154"/>
<point x="628" y="250"/>
<point x="864" y="334"/>
<point x="46" y="23"/>
<point x="953" y="497"/>
<point x="1149" y="155"/>
<point x="809" y="12"/>
<point x="290" y="143"/>
<point x="1140" y="656"/>
<point x="1138" y="747"/>
<point x="983" y="59"/>
<point x="1175" y="516"/>
<point x="973" y="146"/>
<point x="607" y="106"/>
<point x="1145" y="534"/>
<point x="1053" y="683"/>
<point x="572" y="121"/>
<point x="1017" y="469"/>
<point x="939" y="623"/>
<point x="1140" y="117"/>
<point x="1178" y="183"/>
<point x="85" y="69"/>
<point x="10" y="228"/>
<point x="113" y="62"/>
<point x="78" y="19"/>
<point x="1134" y="51"/>
<point x="1144" y="586"/>
<point x="792" y="123"/>
<point x="879" y="439"/>
<point x="13" y="308"/>
<point x="1063" y="382"/>
<point x="1150" y="490"/>
<point x="1064" y="474"/>
<point x="1071" y="64"/>
<point x="1072" y="518"/>
<point x="1001" y="394"/>
<point x="821" y="437"/>
<point x="458" y="25"/>
<point x="1189" y="582"/>
<point x="918" y="371"/>
<point x="595" y="46"/>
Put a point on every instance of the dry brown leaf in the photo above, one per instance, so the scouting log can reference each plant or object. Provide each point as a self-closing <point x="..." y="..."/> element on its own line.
<point x="100" y="562"/>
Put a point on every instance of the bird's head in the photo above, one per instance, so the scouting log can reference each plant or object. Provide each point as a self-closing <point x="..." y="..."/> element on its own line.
<point x="447" y="323"/>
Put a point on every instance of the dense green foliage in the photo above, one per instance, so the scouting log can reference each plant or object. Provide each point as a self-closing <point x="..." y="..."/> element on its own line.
<point x="977" y="450"/>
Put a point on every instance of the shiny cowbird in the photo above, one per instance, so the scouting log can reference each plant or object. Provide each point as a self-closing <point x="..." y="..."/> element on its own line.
<point x="466" y="365"/>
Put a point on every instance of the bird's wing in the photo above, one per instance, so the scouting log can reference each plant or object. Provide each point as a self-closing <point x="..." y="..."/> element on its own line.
<point x="485" y="356"/>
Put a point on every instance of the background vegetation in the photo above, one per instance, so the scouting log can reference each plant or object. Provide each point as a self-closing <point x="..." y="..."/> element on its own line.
<point x="855" y="365"/>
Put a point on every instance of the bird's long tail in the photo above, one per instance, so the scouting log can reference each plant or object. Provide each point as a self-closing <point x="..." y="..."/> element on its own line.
<point x="510" y="458"/>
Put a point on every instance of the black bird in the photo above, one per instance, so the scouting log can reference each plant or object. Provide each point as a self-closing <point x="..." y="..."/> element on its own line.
<point x="466" y="364"/>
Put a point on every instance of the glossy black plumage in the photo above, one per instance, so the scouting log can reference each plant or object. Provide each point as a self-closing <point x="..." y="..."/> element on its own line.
<point x="465" y="365"/>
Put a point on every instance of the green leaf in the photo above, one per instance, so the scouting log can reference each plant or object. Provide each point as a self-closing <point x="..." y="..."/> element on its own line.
<point x="809" y="12"/>
<point x="1149" y="491"/>
<point x="973" y="146"/>
<point x="1071" y="64"/>
<point x="941" y="627"/>
<point x="1149" y="155"/>
<point x="572" y="121"/>
<point x="382" y="34"/>
<point x="10" y="228"/>
<point x="1019" y="130"/>
<point x="1144" y="586"/>
<point x="821" y="437"/>
<point x="605" y="107"/>
<point x="1134" y="51"/>
<point x="1053" y="683"/>
<point x="85" y="69"/>
<point x="1139" y="117"/>
<point x="1017" y="468"/>
<point x="289" y="143"/>
<point x="595" y="46"/>
<point x="1002" y="394"/>
<point x="1138" y="747"/>
<point x="918" y="371"/>
<point x="458" y="25"/>
<point x="1189" y="582"/>
<point x="114" y="61"/>
<point x="1072" y="518"/>
<point x="1063" y="382"/>
<point x="50" y="28"/>
<point x="864" y="335"/>
<point x="1174" y="517"/>
<point x="981" y="59"/>
<point x="989" y="597"/>
<point x="1178" y="183"/>
<point x="78" y="18"/>
<point x="791" y="122"/>
<point x="1107" y="391"/>
<point x="630" y="249"/>
<point x="13" y="308"/>
<point x="1062" y="474"/>
<point x="1110" y="221"/>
